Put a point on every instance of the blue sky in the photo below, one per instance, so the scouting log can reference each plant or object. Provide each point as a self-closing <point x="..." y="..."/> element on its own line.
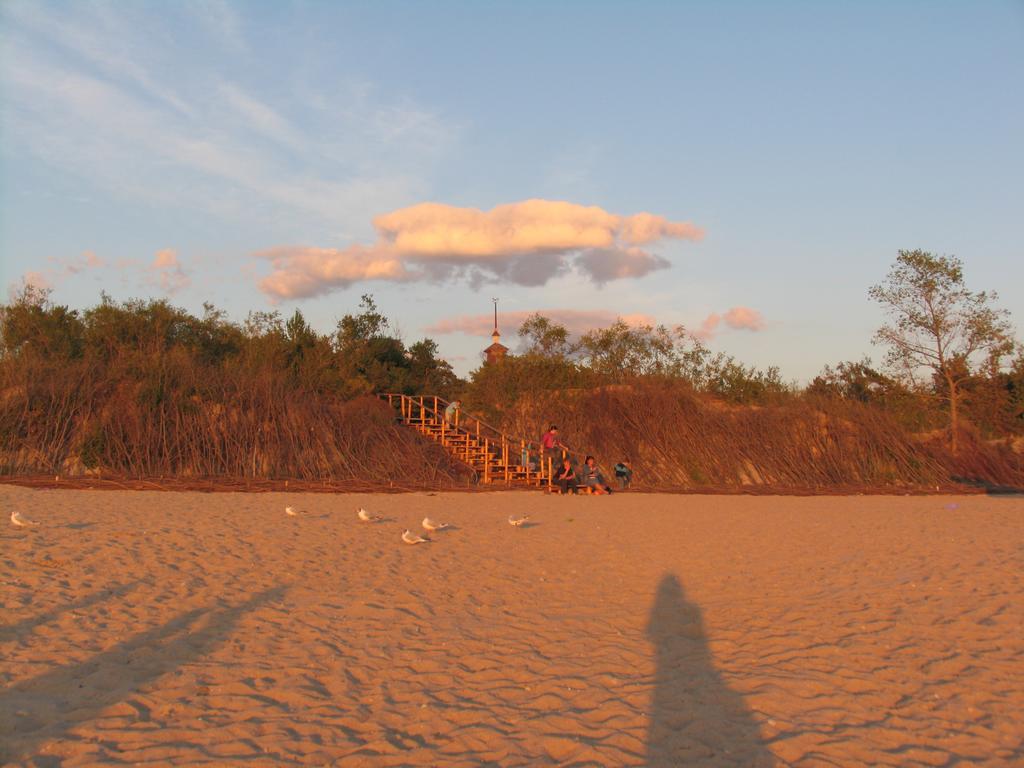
<point x="171" y="149"/>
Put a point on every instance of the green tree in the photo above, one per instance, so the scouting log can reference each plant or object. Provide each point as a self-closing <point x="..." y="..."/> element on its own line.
<point x="32" y="323"/>
<point x="355" y="330"/>
<point x="937" y="324"/>
<point x="621" y="351"/>
<point x="545" y="337"/>
<point x="428" y="373"/>
<point x="737" y="383"/>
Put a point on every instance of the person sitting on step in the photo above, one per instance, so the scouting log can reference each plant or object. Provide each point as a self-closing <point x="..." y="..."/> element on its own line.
<point x="593" y="479"/>
<point x="565" y="477"/>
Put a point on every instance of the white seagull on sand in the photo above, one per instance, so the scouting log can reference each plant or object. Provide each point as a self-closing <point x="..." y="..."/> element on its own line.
<point x="20" y="521"/>
<point x="517" y="522"/>
<point x="412" y="538"/>
<point x="366" y="517"/>
<point x="432" y="525"/>
<point x="291" y="511"/>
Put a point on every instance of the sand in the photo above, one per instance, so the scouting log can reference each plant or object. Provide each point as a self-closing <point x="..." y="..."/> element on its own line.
<point x="148" y="628"/>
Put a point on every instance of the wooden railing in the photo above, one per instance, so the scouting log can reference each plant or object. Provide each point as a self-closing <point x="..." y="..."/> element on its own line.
<point x="527" y="457"/>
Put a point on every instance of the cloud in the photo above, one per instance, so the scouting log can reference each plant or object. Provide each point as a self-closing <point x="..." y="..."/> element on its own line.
<point x="737" y="318"/>
<point x="88" y="260"/>
<point x="744" y="318"/>
<point x="167" y="273"/>
<point x="644" y="228"/>
<point x="61" y="269"/>
<point x="302" y="271"/>
<point x="99" y="90"/>
<point x="36" y="280"/>
<point x="219" y="19"/>
<point x="526" y="243"/>
<point x="605" y="264"/>
<point x="576" y="321"/>
<point x="261" y="118"/>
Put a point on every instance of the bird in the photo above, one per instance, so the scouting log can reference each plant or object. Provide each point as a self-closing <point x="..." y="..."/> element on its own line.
<point x="291" y="511"/>
<point x="432" y="525"/>
<point x="517" y="522"/>
<point x="20" y="521"/>
<point x="411" y="538"/>
<point x="366" y="517"/>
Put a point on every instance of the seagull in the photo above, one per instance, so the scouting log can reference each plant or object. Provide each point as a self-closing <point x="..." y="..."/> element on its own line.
<point x="20" y="521"/>
<point x="411" y="538"/>
<point x="432" y="525"/>
<point x="291" y="511"/>
<point x="517" y="522"/>
<point x="366" y="517"/>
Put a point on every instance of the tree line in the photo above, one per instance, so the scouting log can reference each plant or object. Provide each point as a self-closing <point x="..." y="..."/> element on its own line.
<point x="951" y="361"/>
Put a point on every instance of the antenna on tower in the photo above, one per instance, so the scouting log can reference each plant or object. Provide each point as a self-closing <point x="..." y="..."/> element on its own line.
<point x="495" y="313"/>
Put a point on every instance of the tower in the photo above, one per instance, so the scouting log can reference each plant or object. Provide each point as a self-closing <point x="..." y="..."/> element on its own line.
<point x="497" y="350"/>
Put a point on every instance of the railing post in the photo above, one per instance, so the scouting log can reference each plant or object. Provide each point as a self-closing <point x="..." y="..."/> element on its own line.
<point x="422" y="412"/>
<point x="487" y="460"/>
<point x="504" y="458"/>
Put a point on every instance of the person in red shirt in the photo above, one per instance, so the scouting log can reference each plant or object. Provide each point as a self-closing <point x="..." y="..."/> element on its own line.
<point x="549" y="441"/>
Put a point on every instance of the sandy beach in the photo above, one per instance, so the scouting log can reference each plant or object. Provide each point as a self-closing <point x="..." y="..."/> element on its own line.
<point x="148" y="628"/>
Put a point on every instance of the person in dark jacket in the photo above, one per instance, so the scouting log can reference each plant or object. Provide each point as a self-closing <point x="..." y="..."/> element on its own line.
<point x="565" y="477"/>
<point x="624" y="474"/>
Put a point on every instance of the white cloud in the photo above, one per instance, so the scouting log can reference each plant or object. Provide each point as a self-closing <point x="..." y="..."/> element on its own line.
<point x="303" y="271"/>
<point x="526" y="243"/>
<point x="36" y="280"/>
<point x="737" y="318"/>
<point x="261" y="118"/>
<point x="87" y="91"/>
<point x="167" y="273"/>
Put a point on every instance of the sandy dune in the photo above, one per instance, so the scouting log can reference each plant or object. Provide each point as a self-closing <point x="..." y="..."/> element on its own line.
<point x="150" y="628"/>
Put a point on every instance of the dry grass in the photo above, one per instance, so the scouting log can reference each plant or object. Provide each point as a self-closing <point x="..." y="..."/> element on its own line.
<point x="178" y="424"/>
<point x="678" y="440"/>
<point x="193" y="424"/>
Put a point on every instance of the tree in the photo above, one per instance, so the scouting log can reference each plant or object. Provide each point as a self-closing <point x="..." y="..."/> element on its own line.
<point x="428" y="373"/>
<point x="32" y="322"/>
<point x="936" y="323"/>
<point x="355" y="330"/>
<point x="545" y="337"/>
<point x="852" y="380"/>
<point x="621" y="351"/>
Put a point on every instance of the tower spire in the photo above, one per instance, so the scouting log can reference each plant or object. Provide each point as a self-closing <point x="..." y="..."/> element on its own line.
<point x="497" y="350"/>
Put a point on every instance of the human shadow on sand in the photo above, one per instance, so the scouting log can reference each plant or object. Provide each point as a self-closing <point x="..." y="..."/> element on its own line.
<point x="51" y="705"/>
<point x="696" y="719"/>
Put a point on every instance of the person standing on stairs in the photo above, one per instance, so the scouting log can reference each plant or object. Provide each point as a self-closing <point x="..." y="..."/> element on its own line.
<point x="549" y="441"/>
<point x="451" y="413"/>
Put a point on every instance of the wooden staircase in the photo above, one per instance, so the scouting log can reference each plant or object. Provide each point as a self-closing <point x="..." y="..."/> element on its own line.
<point x="495" y="456"/>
